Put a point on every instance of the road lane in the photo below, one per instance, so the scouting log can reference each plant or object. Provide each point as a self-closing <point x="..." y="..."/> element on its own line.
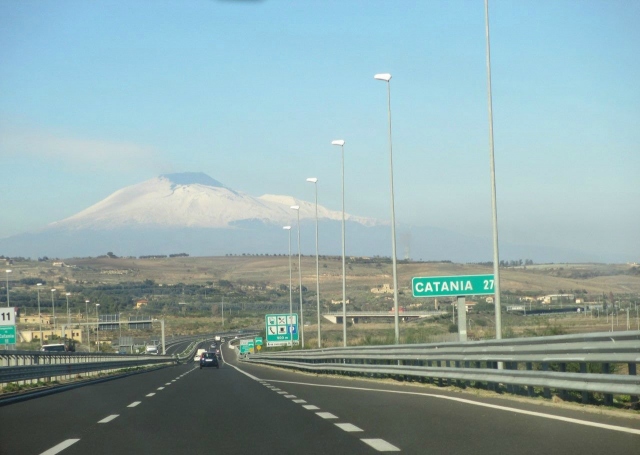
<point x="421" y="419"/>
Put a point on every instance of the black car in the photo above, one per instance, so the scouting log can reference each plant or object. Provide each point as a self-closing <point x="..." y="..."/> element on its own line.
<point x="209" y="359"/>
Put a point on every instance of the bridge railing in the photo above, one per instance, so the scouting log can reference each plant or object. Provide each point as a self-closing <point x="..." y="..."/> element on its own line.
<point x="600" y="363"/>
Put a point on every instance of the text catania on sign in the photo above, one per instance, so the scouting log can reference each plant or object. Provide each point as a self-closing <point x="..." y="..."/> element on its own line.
<point x="440" y="286"/>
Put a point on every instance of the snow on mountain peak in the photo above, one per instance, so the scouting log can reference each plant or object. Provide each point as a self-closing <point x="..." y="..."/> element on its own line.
<point x="192" y="200"/>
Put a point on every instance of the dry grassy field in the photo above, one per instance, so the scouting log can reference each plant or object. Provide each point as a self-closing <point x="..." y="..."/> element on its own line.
<point x="594" y="283"/>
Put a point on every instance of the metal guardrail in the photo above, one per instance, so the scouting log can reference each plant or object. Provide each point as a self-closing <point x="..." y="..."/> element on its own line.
<point x="23" y="366"/>
<point x="521" y="362"/>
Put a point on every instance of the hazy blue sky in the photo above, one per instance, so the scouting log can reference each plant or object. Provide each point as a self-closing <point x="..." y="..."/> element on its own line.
<point x="97" y="95"/>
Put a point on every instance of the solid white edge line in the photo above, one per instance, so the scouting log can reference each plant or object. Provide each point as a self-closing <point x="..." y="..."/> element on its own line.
<point x="380" y="445"/>
<point x="60" y="447"/>
<point x="477" y="403"/>
<point x="108" y="418"/>
<point x="134" y="404"/>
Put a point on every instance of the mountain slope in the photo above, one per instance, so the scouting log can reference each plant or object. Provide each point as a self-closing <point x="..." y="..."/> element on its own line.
<point x="191" y="200"/>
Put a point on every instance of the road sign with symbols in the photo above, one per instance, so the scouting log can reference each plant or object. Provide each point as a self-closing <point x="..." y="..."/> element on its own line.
<point x="442" y="286"/>
<point x="282" y="329"/>
<point x="258" y="341"/>
<point x="8" y="334"/>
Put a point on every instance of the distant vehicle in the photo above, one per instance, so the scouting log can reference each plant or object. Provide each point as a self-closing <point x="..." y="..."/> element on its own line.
<point x="151" y="349"/>
<point x="68" y="346"/>
<point x="53" y="348"/>
<point x="217" y="338"/>
<point x="209" y="359"/>
<point x="199" y="352"/>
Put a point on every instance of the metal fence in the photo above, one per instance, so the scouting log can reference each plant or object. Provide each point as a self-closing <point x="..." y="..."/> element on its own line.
<point x="603" y="363"/>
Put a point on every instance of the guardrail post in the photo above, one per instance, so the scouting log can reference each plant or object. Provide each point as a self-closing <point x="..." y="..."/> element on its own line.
<point x="563" y="392"/>
<point x="608" y="398"/>
<point x="546" y="390"/>
<point x="585" y="394"/>
<point x="634" y="398"/>
<point x="530" y="390"/>
<point x="510" y="387"/>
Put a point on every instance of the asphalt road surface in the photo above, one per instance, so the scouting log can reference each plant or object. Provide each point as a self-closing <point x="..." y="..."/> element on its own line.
<point x="246" y="409"/>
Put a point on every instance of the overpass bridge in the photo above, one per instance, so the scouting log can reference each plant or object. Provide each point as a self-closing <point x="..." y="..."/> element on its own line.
<point x="404" y="316"/>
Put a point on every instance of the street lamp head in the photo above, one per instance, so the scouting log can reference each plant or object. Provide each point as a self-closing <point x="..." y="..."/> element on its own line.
<point x="8" y="271"/>
<point x="295" y="207"/>
<point x="339" y="142"/>
<point x="68" y="293"/>
<point x="288" y="228"/>
<point x="383" y="77"/>
<point x="97" y="304"/>
<point x="53" y="290"/>
<point x="39" y="284"/>
<point x="312" y="180"/>
<point x="87" y="301"/>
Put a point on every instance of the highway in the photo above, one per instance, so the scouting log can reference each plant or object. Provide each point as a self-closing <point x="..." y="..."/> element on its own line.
<point x="242" y="409"/>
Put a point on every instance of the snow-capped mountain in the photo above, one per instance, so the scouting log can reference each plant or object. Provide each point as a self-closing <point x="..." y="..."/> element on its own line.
<point x="192" y="200"/>
<point x="195" y="214"/>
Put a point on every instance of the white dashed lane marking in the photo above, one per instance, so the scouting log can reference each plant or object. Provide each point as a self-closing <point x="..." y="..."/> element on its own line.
<point x="160" y="388"/>
<point x="150" y="394"/>
<point x="134" y="404"/>
<point x="290" y="396"/>
<point x="326" y="415"/>
<point x="60" y="447"/>
<point x="109" y="418"/>
<point x="381" y="445"/>
<point x="348" y="427"/>
<point x="299" y="401"/>
<point x="310" y="407"/>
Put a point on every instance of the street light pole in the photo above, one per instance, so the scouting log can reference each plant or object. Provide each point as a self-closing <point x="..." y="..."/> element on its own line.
<point x="68" y="314"/>
<point x="340" y="143"/>
<point x="8" y="272"/>
<point x="97" y="329"/>
<point x="494" y="209"/>
<point x="301" y="325"/>
<point x="53" y="306"/>
<point x="288" y="228"/>
<point x="315" y="184"/>
<point x="39" y="313"/>
<point x="86" y="312"/>
<point x="386" y="77"/>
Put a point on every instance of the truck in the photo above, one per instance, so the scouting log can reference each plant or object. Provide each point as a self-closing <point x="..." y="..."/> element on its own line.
<point x="151" y="349"/>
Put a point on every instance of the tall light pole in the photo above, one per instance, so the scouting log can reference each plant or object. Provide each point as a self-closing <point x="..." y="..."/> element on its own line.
<point x="97" y="329"/>
<point x="494" y="208"/>
<point x="386" y="77"/>
<point x="288" y="228"/>
<point x="39" y="313"/>
<point x="315" y="184"/>
<point x="8" y="272"/>
<point x="340" y="143"/>
<point x="53" y="306"/>
<point x="301" y="325"/>
<point x="86" y="313"/>
<point x="223" y="311"/>
<point x="68" y="314"/>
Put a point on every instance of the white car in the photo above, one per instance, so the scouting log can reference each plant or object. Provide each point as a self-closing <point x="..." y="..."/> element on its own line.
<point x="199" y="353"/>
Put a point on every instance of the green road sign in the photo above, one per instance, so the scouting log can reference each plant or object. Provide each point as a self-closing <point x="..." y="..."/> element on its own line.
<point x="8" y="334"/>
<point x="244" y="348"/>
<point x="258" y="341"/>
<point x="282" y="329"/>
<point x="442" y="286"/>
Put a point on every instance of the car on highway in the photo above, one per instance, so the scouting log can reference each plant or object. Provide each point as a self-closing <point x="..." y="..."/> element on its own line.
<point x="209" y="359"/>
<point x="199" y="352"/>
